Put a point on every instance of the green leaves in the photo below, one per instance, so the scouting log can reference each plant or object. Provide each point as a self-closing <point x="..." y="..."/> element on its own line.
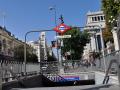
<point x="75" y="44"/>
<point x="19" y="54"/>
<point x="111" y="10"/>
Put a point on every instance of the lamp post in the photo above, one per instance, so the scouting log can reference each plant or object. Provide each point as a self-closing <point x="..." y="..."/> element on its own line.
<point x="55" y="20"/>
<point x="54" y="9"/>
<point x="3" y="15"/>
<point x="102" y="42"/>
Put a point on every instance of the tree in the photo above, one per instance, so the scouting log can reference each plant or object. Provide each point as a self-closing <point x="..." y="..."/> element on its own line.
<point x="75" y="44"/>
<point x="19" y="54"/>
<point x="107" y="35"/>
<point x="111" y="9"/>
<point x="51" y="57"/>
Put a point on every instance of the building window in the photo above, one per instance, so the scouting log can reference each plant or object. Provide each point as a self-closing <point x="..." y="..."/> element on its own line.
<point x="99" y="42"/>
<point x="102" y="18"/>
<point x="4" y="44"/>
<point x="95" y="18"/>
<point x="98" y="18"/>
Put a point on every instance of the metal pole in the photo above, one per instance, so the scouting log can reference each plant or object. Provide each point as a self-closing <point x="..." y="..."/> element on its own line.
<point x="54" y="8"/>
<point x="102" y="42"/>
<point x="3" y="14"/>
<point x="40" y="52"/>
<point x="55" y="17"/>
<point x="60" y="56"/>
<point x="25" y="54"/>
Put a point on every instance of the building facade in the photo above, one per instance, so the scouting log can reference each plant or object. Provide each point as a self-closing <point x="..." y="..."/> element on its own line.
<point x="95" y="23"/>
<point x="40" y="47"/>
<point x="43" y="46"/>
<point x="8" y="42"/>
<point x="36" y="48"/>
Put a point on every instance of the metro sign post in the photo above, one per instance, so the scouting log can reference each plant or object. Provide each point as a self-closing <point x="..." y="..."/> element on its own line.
<point x="62" y="28"/>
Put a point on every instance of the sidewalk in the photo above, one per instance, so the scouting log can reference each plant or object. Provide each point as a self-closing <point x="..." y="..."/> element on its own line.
<point x="99" y="76"/>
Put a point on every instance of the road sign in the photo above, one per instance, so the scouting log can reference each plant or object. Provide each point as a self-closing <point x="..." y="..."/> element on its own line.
<point x="62" y="28"/>
<point x="64" y="36"/>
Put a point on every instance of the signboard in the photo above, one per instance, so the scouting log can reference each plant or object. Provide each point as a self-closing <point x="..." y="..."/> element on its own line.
<point x="62" y="28"/>
<point x="64" y="36"/>
<point x="71" y="78"/>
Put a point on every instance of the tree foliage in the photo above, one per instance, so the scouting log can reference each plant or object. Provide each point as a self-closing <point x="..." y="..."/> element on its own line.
<point x="107" y="35"/>
<point x="19" y="54"/>
<point x="111" y="9"/>
<point x="51" y="57"/>
<point x="75" y="44"/>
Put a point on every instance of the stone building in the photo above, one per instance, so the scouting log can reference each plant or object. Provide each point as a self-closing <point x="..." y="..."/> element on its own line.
<point x="40" y="47"/>
<point x="36" y="48"/>
<point x="8" y="42"/>
<point x="116" y="34"/>
<point x="95" y="22"/>
<point x="43" y="46"/>
<point x="94" y="25"/>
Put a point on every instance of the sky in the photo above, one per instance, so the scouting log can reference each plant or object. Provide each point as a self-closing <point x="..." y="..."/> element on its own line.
<point x="22" y="16"/>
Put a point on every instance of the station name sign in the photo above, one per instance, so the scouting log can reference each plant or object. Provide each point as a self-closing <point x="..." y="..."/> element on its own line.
<point x="64" y="36"/>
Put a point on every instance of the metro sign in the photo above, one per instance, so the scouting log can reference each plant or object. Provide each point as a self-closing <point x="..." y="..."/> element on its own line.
<point x="62" y="28"/>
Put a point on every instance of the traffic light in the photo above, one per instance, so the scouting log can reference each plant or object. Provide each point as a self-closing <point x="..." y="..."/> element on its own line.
<point x="53" y="43"/>
<point x="61" y="18"/>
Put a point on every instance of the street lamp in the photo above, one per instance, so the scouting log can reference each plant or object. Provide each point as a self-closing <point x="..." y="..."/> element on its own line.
<point x="3" y="14"/>
<point x="102" y="42"/>
<point x="54" y="9"/>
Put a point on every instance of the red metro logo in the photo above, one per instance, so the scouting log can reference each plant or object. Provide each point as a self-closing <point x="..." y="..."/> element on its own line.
<point x="62" y="28"/>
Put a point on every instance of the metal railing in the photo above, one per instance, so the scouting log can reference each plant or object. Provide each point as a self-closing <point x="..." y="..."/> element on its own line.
<point x="73" y="66"/>
<point x="100" y="65"/>
<point x="18" y="76"/>
<point x="49" y="67"/>
<point x="11" y="69"/>
<point x="106" y="79"/>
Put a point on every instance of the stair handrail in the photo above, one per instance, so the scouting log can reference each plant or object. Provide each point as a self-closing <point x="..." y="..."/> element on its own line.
<point x="106" y="78"/>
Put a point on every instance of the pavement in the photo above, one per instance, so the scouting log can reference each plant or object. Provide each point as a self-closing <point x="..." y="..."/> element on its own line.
<point x="86" y="87"/>
<point x="0" y="79"/>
